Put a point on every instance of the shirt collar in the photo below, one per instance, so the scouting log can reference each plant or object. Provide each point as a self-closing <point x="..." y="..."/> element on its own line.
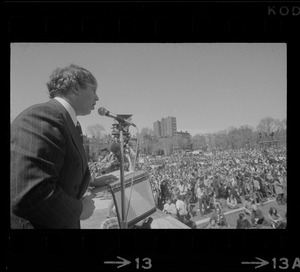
<point x="69" y="108"/>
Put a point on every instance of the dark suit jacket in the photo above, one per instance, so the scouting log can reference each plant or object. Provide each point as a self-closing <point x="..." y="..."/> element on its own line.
<point x="49" y="170"/>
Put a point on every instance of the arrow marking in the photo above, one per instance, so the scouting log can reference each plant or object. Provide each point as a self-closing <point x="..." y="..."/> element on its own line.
<point x="122" y="263"/>
<point x="261" y="263"/>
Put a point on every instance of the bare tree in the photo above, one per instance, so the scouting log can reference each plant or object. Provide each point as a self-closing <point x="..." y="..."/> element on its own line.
<point x="282" y="131"/>
<point x="198" y="141"/>
<point x="247" y="135"/>
<point x="268" y="126"/>
<point x="146" y="140"/>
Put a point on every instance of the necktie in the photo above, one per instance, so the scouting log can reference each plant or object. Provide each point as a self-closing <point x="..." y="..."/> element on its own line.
<point x="78" y="127"/>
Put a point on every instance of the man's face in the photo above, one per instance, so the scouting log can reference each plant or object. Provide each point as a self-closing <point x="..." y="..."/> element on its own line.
<point x="86" y="99"/>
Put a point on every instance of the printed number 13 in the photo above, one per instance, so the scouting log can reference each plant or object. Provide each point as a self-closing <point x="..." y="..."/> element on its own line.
<point x="284" y="263"/>
<point x="146" y="261"/>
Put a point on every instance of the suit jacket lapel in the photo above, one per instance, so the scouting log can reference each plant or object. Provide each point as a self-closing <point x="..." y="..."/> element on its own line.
<point x="73" y="132"/>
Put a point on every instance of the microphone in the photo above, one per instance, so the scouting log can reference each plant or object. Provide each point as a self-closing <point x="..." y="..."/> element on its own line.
<point x="105" y="112"/>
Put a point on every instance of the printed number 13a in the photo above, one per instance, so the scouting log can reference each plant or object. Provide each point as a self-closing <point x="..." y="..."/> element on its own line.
<point x="146" y="263"/>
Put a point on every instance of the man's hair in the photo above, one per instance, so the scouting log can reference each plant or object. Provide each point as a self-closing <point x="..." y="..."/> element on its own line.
<point x="63" y="79"/>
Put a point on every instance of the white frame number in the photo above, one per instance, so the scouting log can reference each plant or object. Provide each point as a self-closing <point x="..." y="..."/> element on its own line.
<point x="146" y="261"/>
<point x="284" y="263"/>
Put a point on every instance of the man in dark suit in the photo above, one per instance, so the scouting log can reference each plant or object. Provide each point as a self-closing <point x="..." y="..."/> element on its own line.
<point x="49" y="169"/>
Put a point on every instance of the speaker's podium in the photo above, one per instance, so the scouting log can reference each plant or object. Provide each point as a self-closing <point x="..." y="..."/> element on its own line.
<point x="139" y="205"/>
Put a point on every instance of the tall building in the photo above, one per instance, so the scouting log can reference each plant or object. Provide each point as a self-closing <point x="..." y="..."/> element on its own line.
<point x="167" y="127"/>
<point x="157" y="128"/>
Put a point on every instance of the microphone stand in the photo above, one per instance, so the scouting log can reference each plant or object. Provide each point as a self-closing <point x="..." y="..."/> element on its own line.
<point x="123" y="223"/>
<point x="122" y="127"/>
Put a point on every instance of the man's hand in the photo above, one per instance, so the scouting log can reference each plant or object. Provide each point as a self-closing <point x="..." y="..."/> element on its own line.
<point x="103" y="180"/>
<point x="88" y="207"/>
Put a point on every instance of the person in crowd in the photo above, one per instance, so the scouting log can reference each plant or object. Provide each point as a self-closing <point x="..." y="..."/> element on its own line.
<point x="206" y="180"/>
<point x="242" y="222"/>
<point x="181" y="209"/>
<point x="234" y="192"/>
<point x="256" y="190"/>
<point x="243" y="186"/>
<point x="215" y="202"/>
<point x="200" y="196"/>
<point x="156" y="196"/>
<point x="212" y="224"/>
<point x="183" y="190"/>
<point x="188" y="219"/>
<point x="240" y="184"/>
<point x="257" y="216"/>
<point x="282" y="224"/>
<point x="174" y="191"/>
<point x="164" y="191"/>
<point x="248" y="188"/>
<point x="231" y="202"/>
<point x="192" y="199"/>
<point x="216" y="185"/>
<point x="267" y="193"/>
<point x="228" y="188"/>
<point x="263" y="187"/>
<point x="220" y="218"/>
<point x="248" y="205"/>
<point x="222" y="192"/>
<point x="193" y="192"/>
<point x="274" y="217"/>
<point x="278" y="186"/>
<point x="170" y="208"/>
<point x="206" y="200"/>
<point x="270" y="183"/>
<point x="49" y="168"/>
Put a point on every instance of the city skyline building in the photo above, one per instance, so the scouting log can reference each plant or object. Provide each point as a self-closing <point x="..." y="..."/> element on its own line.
<point x="157" y="128"/>
<point x="167" y="127"/>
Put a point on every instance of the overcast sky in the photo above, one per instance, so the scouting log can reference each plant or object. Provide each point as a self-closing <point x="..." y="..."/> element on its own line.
<point x="207" y="87"/>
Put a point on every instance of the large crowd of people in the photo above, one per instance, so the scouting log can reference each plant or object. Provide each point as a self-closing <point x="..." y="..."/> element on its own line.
<point x="207" y="185"/>
<point x="221" y="181"/>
